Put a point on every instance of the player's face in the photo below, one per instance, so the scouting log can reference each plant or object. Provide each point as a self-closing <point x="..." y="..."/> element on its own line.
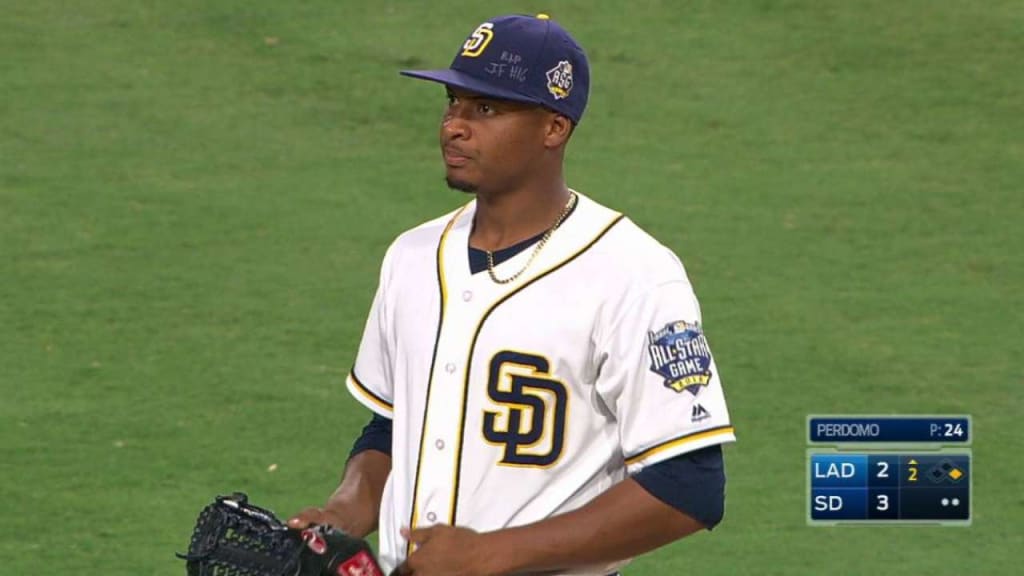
<point x="491" y="145"/>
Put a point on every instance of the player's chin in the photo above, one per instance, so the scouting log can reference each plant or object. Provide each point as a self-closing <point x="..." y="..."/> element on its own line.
<point x="460" y="183"/>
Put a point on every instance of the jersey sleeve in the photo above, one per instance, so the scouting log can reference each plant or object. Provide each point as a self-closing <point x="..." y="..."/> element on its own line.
<point x="659" y="378"/>
<point x="370" y="380"/>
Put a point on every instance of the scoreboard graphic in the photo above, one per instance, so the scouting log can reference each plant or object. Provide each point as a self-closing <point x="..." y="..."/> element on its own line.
<point x="889" y="469"/>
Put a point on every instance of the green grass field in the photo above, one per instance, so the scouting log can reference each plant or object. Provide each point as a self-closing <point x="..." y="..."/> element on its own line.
<point x="195" y="197"/>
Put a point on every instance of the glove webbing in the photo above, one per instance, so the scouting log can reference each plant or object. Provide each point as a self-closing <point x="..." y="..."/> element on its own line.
<point x="235" y="538"/>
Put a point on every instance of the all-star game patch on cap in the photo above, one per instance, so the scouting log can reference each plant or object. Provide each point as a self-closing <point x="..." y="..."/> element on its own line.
<point x="522" y="58"/>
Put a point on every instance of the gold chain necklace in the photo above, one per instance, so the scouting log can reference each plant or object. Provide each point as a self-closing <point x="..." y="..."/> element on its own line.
<point x="540" y="244"/>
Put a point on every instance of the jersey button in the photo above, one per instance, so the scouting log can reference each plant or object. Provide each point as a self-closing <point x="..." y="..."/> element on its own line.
<point x="439" y="444"/>
<point x="431" y="516"/>
<point x="449" y="368"/>
<point x="467" y="296"/>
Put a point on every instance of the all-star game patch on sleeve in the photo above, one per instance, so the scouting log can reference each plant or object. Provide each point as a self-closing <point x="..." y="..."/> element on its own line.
<point x="679" y="353"/>
<point x="659" y="377"/>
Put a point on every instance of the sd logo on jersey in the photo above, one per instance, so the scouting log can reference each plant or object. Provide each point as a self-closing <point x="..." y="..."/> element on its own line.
<point x="680" y="354"/>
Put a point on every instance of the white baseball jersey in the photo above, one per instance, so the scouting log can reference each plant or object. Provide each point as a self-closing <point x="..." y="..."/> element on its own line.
<point x="513" y="403"/>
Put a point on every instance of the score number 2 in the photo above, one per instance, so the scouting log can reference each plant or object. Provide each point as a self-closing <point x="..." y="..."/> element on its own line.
<point x="883" y="470"/>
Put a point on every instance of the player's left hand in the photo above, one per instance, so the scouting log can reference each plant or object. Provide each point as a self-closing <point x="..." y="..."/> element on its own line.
<point x="443" y="550"/>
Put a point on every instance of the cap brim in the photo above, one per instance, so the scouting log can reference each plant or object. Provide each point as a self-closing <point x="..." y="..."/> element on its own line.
<point x="466" y="82"/>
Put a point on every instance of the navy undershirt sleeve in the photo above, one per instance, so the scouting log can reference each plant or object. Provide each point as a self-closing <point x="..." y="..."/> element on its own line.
<point x="693" y="483"/>
<point x="376" y="436"/>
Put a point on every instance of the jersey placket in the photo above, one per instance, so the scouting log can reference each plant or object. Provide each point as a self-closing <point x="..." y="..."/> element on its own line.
<point x="466" y="299"/>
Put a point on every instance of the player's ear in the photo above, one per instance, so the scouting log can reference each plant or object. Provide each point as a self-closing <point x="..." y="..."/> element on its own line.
<point x="558" y="130"/>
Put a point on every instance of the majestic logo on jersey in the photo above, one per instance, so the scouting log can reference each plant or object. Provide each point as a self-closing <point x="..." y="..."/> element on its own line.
<point x="699" y="413"/>
<point x="560" y="80"/>
<point x="530" y="421"/>
<point x="680" y="354"/>
<point x="478" y="40"/>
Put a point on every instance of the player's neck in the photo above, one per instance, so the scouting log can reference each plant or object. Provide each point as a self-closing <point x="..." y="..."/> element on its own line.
<point x="504" y="220"/>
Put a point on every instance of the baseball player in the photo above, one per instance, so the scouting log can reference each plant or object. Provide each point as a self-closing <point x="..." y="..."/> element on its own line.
<point x="545" y="399"/>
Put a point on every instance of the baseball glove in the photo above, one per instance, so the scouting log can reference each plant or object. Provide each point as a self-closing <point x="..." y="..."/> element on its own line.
<point x="235" y="538"/>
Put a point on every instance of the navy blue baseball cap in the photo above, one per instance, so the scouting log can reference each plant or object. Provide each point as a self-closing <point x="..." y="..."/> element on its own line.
<point x="522" y="58"/>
